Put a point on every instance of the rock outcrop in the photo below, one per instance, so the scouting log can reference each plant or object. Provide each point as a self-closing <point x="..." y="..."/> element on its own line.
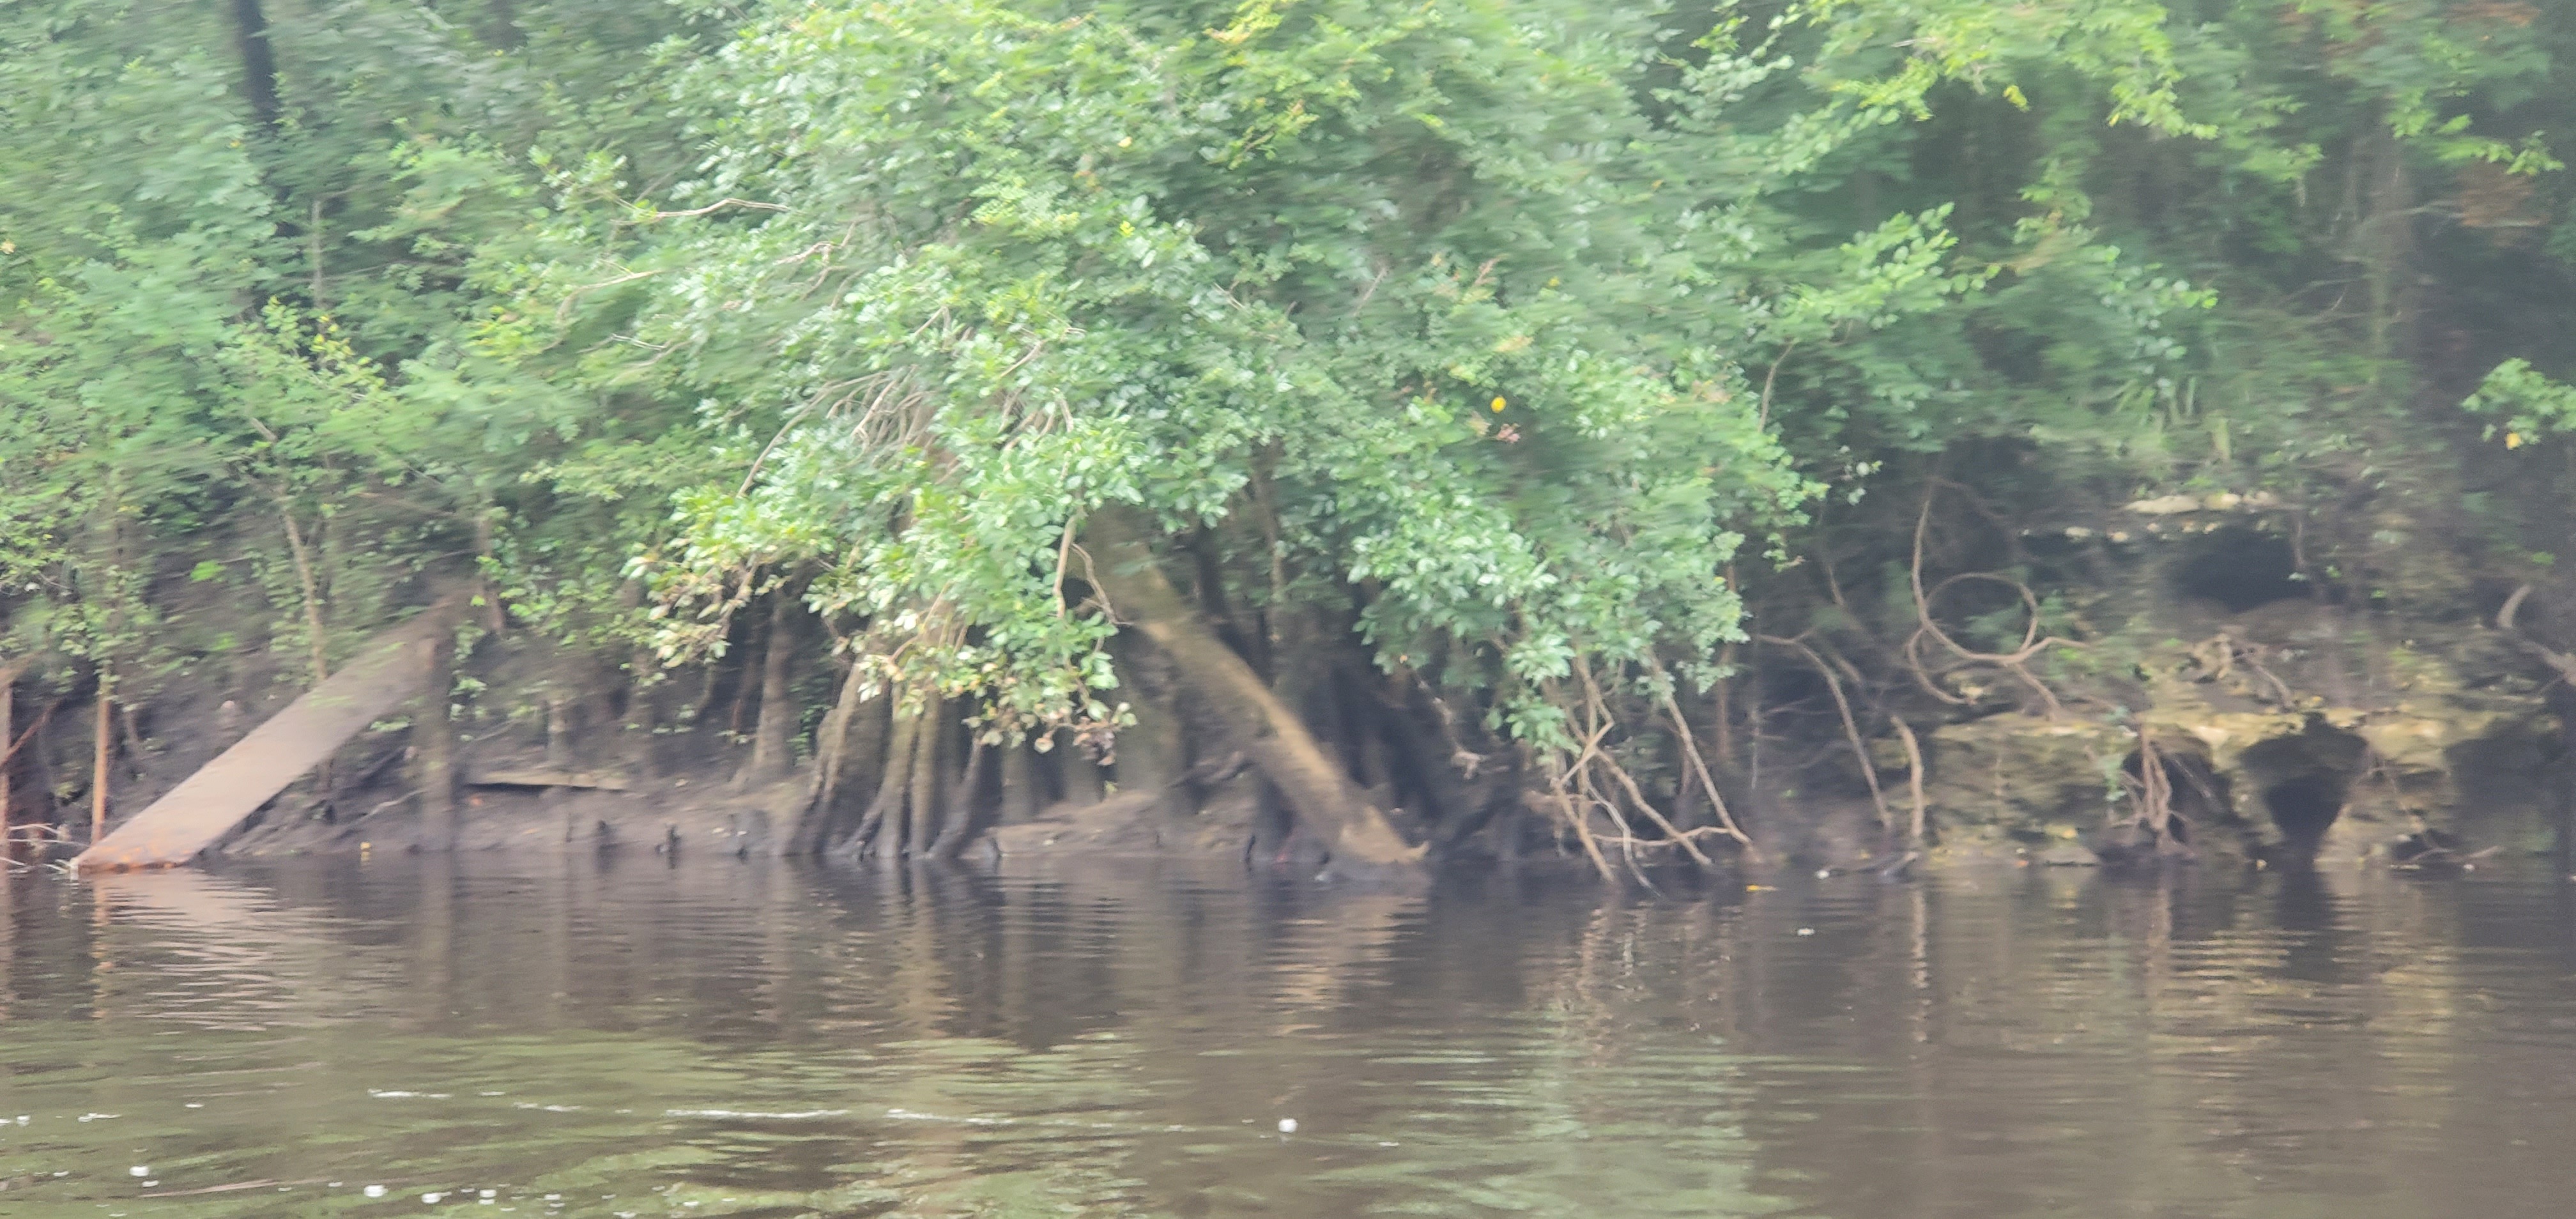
<point x="2290" y="730"/>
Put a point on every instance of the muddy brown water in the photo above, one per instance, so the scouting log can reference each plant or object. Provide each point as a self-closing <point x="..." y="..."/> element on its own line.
<point x="630" y="1037"/>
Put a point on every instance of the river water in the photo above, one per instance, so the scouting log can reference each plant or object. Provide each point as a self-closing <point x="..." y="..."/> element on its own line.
<point x="634" y="1037"/>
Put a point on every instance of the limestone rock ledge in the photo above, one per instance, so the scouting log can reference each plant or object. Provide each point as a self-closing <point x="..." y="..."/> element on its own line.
<point x="2294" y="736"/>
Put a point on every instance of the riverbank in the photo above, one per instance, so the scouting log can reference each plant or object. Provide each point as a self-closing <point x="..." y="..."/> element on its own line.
<point x="2284" y="727"/>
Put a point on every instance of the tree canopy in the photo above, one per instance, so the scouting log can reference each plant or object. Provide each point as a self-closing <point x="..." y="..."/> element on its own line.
<point x="1535" y="355"/>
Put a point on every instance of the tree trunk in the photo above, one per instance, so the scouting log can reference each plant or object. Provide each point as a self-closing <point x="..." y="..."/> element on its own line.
<point x="635" y="712"/>
<point x="1304" y="664"/>
<point x="773" y="741"/>
<point x="1082" y="782"/>
<point x="774" y="738"/>
<point x="1317" y="790"/>
<point x="1722" y="709"/>
<point x="640" y="721"/>
<point x="560" y="755"/>
<point x="503" y="20"/>
<point x="887" y="805"/>
<point x="434" y="750"/>
<point x="958" y="827"/>
<point x="8" y="743"/>
<point x="921" y="804"/>
<point x="40" y="760"/>
<point x="102" y="746"/>
<point x="259" y="62"/>
<point x="1240" y="631"/>
<point x="850" y="755"/>
<point x="1363" y="721"/>
<point x="2387" y="240"/>
<point x="1150" y="752"/>
<point x="2560" y="699"/>
<point x="1455" y="803"/>
<point x="1021" y="796"/>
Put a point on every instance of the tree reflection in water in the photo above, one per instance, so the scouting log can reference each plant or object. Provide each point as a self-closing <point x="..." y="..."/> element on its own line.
<point x="722" y="1038"/>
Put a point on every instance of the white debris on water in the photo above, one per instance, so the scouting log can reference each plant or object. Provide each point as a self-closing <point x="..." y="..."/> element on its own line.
<point x="432" y="1198"/>
<point x="1287" y="1125"/>
<point x="139" y="1170"/>
<point x="373" y="1191"/>
<point x="795" y="1115"/>
<point x="1806" y="931"/>
<point x="908" y="1115"/>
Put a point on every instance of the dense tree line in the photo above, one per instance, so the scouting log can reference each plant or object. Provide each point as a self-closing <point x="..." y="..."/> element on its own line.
<point x="1467" y="414"/>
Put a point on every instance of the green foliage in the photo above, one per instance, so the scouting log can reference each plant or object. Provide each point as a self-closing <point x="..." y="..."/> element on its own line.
<point x="1453" y="302"/>
<point x="221" y="331"/>
<point x="1521" y="337"/>
<point x="2526" y="404"/>
<point x="985" y="269"/>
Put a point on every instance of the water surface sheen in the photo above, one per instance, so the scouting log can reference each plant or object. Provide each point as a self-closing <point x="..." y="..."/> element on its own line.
<point x="628" y="1037"/>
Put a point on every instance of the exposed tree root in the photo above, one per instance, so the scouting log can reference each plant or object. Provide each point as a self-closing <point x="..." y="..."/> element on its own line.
<point x="2016" y="662"/>
<point x="1913" y="780"/>
<point x="1851" y="727"/>
<point x="2559" y="662"/>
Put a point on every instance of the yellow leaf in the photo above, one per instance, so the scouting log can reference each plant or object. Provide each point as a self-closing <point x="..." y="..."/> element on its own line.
<point x="1498" y="405"/>
<point x="2012" y="93"/>
<point x="2513" y="440"/>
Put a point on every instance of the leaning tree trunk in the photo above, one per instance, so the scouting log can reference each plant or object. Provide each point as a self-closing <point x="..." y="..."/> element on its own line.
<point x="1324" y="798"/>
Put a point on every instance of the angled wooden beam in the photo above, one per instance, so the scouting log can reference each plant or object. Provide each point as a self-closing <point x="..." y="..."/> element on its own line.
<point x="390" y="670"/>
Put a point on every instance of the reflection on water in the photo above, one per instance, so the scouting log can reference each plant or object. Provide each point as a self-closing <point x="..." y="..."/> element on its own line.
<point x="605" y="1037"/>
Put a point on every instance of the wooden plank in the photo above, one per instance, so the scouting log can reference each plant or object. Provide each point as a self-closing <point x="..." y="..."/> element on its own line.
<point x="392" y="668"/>
<point x="544" y="776"/>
